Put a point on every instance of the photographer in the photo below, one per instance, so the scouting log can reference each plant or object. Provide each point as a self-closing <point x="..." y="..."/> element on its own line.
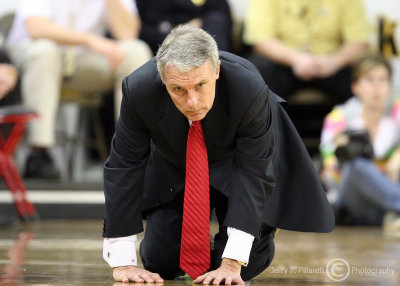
<point x="360" y="148"/>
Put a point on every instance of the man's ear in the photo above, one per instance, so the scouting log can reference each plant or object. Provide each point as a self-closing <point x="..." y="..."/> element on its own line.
<point x="218" y="69"/>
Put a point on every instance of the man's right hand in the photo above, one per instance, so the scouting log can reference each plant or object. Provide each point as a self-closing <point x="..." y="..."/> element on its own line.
<point x="128" y="274"/>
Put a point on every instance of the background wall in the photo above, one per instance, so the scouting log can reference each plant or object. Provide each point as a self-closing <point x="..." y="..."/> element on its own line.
<point x="7" y="6"/>
<point x="391" y="10"/>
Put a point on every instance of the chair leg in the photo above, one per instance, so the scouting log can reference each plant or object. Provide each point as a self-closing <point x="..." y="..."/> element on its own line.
<point x="99" y="134"/>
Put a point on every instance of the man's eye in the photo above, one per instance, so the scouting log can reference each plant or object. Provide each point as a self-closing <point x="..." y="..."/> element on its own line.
<point x="201" y="84"/>
<point x="178" y="89"/>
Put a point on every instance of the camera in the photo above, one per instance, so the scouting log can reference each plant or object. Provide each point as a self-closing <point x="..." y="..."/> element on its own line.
<point x="358" y="145"/>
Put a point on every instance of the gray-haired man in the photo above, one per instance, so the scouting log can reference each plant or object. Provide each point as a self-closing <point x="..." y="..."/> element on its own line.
<point x="245" y="130"/>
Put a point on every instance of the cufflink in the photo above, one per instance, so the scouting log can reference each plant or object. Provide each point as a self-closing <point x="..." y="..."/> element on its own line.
<point x="242" y="263"/>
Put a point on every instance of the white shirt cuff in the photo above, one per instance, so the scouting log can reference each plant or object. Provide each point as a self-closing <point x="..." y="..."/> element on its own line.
<point x="238" y="246"/>
<point x="120" y="251"/>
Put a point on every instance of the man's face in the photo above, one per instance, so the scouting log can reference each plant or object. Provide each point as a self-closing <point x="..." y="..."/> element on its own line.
<point x="192" y="92"/>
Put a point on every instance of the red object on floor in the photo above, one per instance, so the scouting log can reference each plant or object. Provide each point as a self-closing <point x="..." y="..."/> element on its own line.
<point x="13" y="121"/>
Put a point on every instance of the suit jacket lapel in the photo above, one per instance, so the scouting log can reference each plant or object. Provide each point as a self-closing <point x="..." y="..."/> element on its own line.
<point x="216" y="120"/>
<point x="174" y="126"/>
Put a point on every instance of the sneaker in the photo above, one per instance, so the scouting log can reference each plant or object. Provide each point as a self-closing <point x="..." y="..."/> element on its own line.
<point x="41" y="166"/>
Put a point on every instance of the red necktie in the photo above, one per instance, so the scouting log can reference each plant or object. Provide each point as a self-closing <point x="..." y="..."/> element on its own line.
<point x="195" y="241"/>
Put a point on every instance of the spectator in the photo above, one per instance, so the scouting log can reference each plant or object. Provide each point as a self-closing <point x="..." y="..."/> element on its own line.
<point x="159" y="17"/>
<point x="367" y="183"/>
<point x="58" y="43"/>
<point x="299" y="44"/>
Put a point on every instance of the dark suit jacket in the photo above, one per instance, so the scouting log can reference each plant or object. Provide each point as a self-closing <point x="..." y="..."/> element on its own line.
<point x="256" y="157"/>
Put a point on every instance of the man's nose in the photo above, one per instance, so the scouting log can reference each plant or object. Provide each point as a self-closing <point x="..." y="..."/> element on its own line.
<point x="192" y="99"/>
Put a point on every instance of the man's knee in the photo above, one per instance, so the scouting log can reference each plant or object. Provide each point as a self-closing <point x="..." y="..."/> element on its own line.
<point x="162" y="261"/>
<point x="45" y="50"/>
<point x="136" y="53"/>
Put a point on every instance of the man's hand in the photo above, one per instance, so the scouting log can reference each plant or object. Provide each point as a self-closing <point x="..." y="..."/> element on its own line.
<point x="326" y="66"/>
<point x="8" y="79"/>
<point x="304" y="66"/>
<point x="228" y="273"/>
<point x="128" y="274"/>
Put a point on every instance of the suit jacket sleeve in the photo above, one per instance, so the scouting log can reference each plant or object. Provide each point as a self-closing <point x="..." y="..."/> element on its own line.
<point x="253" y="178"/>
<point x="124" y="171"/>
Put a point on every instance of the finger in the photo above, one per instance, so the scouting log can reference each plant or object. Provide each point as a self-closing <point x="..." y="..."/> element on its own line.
<point x="217" y="280"/>
<point x="135" y="278"/>
<point x="156" y="277"/>
<point x="199" y="279"/>
<point x="228" y="280"/>
<point x="207" y="280"/>
<point x="238" y="281"/>
<point x="147" y="277"/>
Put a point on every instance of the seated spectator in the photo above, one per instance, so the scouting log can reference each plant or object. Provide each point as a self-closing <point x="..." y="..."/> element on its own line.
<point x="360" y="147"/>
<point x="60" y="44"/>
<point x="159" y="17"/>
<point x="297" y="44"/>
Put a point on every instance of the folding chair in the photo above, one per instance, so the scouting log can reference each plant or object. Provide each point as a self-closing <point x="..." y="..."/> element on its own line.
<point x="13" y="121"/>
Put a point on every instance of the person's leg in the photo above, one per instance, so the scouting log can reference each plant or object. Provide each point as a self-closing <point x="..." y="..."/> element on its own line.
<point x="366" y="193"/>
<point x="136" y="53"/>
<point x="262" y="251"/>
<point x="160" y="247"/>
<point x="337" y="86"/>
<point x="93" y="74"/>
<point x="40" y="62"/>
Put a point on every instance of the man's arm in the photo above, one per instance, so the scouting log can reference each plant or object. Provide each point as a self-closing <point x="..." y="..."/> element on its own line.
<point x="120" y="253"/>
<point x="346" y="55"/>
<point x="44" y="28"/>
<point x="123" y="24"/>
<point x="8" y="79"/>
<point x="303" y="64"/>
<point x="251" y="183"/>
<point x="236" y="255"/>
<point x="123" y="190"/>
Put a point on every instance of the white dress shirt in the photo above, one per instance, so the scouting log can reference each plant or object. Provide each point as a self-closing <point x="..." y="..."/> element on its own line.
<point x="121" y="251"/>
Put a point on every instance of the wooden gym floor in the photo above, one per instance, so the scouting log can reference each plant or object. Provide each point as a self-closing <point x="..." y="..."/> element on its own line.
<point x="62" y="252"/>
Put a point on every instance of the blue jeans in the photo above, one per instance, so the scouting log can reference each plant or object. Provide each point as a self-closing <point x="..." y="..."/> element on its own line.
<point x="365" y="193"/>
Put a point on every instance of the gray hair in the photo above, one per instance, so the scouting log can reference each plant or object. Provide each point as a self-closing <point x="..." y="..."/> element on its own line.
<point x="186" y="48"/>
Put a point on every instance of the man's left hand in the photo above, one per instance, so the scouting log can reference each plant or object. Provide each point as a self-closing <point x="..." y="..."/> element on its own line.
<point x="228" y="273"/>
